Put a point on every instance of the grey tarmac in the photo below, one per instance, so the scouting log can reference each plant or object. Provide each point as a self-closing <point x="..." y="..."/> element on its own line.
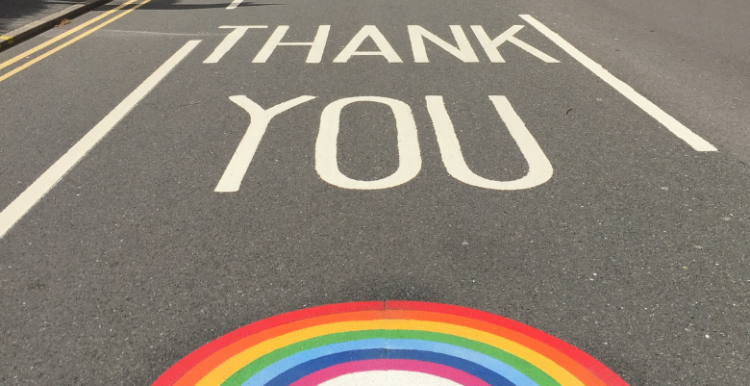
<point x="636" y="249"/>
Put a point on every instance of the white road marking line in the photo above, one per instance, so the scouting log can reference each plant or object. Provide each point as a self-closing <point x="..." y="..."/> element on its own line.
<point x="235" y="4"/>
<point x="37" y="190"/>
<point x="127" y="32"/>
<point x="677" y="128"/>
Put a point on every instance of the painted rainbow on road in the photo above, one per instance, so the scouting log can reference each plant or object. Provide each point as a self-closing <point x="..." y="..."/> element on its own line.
<point x="393" y="343"/>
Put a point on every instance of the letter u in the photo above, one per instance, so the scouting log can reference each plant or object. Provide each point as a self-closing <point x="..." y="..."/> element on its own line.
<point x="540" y="169"/>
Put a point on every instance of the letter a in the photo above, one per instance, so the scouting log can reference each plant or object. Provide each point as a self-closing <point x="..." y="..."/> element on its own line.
<point x="373" y="33"/>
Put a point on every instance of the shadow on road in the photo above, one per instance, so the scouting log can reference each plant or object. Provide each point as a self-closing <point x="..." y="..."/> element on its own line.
<point x="182" y="5"/>
<point x="17" y="13"/>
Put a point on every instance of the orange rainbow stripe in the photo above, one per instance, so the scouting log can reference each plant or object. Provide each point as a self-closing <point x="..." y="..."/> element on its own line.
<point x="313" y="346"/>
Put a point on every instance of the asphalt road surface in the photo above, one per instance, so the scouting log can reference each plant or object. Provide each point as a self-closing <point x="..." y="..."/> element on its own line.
<point x="461" y="152"/>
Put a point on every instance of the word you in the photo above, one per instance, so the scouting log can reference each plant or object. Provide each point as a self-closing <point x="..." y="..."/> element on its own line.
<point x="410" y="159"/>
<point x="417" y="37"/>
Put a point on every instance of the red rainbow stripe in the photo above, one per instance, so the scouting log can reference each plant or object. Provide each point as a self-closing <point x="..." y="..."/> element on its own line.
<point x="519" y="353"/>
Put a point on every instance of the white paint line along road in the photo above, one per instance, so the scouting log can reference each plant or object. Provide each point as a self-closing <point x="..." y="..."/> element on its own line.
<point x="36" y="191"/>
<point x="646" y="105"/>
<point x="235" y="4"/>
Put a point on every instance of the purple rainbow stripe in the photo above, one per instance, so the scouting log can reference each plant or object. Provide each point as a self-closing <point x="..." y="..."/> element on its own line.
<point x="435" y="369"/>
<point x="492" y="364"/>
<point x="427" y="341"/>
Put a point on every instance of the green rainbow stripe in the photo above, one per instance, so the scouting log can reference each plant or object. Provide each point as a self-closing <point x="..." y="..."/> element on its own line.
<point x="541" y="378"/>
<point x="368" y="339"/>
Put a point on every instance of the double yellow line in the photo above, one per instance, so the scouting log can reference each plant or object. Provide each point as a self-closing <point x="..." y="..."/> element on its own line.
<point x="117" y="12"/>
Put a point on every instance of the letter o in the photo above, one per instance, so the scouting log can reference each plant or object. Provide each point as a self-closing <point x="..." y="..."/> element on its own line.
<point x="326" y="146"/>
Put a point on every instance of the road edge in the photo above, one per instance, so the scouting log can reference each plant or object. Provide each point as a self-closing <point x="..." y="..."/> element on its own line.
<point x="32" y="29"/>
